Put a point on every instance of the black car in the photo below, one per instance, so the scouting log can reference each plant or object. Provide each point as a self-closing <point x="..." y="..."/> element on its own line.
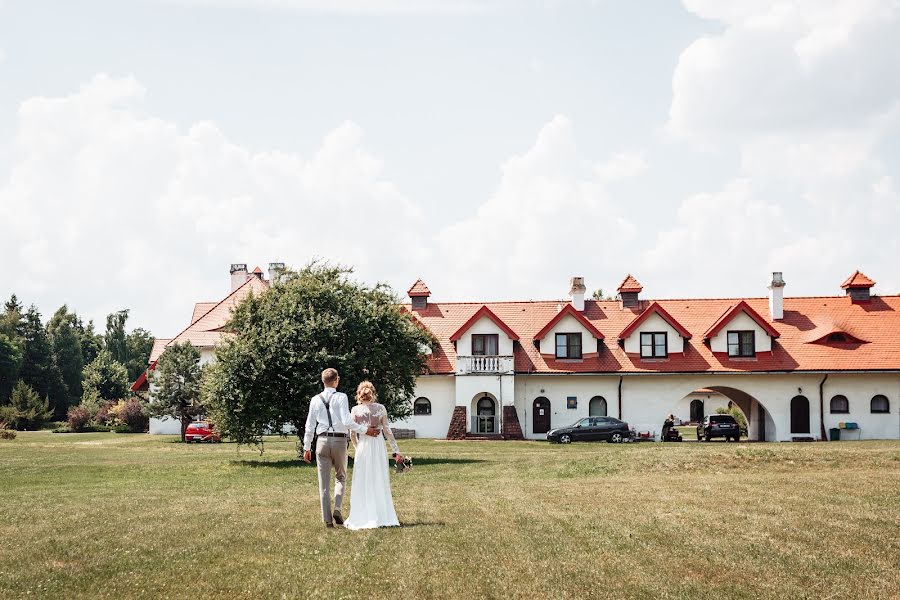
<point x="719" y="426"/>
<point x="591" y="429"/>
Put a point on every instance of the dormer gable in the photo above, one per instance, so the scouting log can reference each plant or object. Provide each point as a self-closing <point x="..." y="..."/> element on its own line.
<point x="569" y="311"/>
<point x="569" y="335"/>
<point x="657" y="320"/>
<point x="740" y="332"/>
<point x="484" y="326"/>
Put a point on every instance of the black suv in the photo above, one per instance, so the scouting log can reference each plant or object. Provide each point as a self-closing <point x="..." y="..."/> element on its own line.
<point x="719" y="426"/>
<point x="591" y="429"/>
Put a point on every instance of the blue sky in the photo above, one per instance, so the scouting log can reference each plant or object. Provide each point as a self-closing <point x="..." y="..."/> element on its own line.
<point x="493" y="148"/>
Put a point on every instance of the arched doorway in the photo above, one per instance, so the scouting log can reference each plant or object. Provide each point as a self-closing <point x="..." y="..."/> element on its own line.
<point x="541" y="415"/>
<point x="799" y="414"/>
<point x="484" y="414"/>
<point x="597" y="407"/>
<point x="696" y="412"/>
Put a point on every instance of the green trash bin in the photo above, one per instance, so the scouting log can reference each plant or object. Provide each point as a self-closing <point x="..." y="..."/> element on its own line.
<point x="835" y="434"/>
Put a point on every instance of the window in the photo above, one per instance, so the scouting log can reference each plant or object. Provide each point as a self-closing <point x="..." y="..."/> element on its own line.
<point x="741" y="343"/>
<point x="422" y="406"/>
<point x="485" y="344"/>
<point x="597" y="406"/>
<point x="568" y="345"/>
<point x="840" y="405"/>
<point x="837" y="338"/>
<point x="571" y="402"/>
<point x="880" y="404"/>
<point x="654" y="345"/>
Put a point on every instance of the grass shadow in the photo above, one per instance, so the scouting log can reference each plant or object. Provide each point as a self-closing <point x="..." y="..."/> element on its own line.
<point x="418" y="462"/>
<point x="273" y="464"/>
<point x="405" y="524"/>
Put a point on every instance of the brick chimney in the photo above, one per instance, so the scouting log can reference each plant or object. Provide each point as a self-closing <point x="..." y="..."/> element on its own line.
<point x="576" y="292"/>
<point x="858" y="287"/>
<point x="418" y="294"/>
<point x="629" y="290"/>
<point x="239" y="275"/>
<point x="776" y="296"/>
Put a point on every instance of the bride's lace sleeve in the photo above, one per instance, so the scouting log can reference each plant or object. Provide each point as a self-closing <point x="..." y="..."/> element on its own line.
<point x="388" y="434"/>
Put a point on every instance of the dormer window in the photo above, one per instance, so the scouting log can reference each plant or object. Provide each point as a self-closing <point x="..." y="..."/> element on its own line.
<point x="837" y="338"/>
<point x="485" y="344"/>
<point x="568" y="345"/>
<point x="654" y="344"/>
<point x="741" y="344"/>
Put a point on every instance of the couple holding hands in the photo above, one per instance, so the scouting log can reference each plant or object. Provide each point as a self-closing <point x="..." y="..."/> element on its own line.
<point x="331" y="422"/>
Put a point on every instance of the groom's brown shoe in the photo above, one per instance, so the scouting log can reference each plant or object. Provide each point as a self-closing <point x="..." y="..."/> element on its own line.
<point x="336" y="515"/>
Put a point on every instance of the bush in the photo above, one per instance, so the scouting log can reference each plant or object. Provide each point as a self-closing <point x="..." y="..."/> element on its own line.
<point x="104" y="415"/>
<point x="131" y="413"/>
<point x="7" y="434"/>
<point x="79" y="417"/>
<point x="26" y="410"/>
<point x="738" y="415"/>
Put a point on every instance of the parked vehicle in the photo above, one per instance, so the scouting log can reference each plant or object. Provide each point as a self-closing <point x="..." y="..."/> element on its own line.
<point x="201" y="431"/>
<point x="714" y="426"/>
<point x="591" y="429"/>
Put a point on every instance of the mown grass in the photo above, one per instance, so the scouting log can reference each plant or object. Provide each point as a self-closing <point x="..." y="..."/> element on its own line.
<point x="134" y="516"/>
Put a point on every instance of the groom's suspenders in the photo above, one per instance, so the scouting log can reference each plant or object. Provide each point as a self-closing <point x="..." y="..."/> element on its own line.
<point x="327" y="404"/>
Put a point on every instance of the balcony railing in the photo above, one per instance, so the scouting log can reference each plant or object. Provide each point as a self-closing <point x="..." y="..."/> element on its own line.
<point x="466" y="365"/>
<point x="484" y="424"/>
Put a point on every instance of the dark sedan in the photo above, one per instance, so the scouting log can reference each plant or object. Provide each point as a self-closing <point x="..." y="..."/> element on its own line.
<point x="591" y="429"/>
<point x="719" y="426"/>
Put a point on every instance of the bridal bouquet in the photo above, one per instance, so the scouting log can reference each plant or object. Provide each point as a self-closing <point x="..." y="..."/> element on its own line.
<point x="404" y="465"/>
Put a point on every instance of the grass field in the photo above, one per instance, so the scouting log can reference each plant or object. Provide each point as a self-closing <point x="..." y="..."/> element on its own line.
<point x="122" y="516"/>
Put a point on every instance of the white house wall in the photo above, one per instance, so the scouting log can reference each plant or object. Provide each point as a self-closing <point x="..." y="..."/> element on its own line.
<point x="484" y="325"/>
<point x="859" y="390"/>
<point x="710" y="403"/>
<point x="654" y="323"/>
<point x="557" y="388"/>
<point x="741" y="322"/>
<point x="441" y="391"/>
<point x="569" y="324"/>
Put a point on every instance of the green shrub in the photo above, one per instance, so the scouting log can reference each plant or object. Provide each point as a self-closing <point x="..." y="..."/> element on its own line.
<point x="131" y="413"/>
<point x="7" y="434"/>
<point x="26" y="410"/>
<point x="738" y="415"/>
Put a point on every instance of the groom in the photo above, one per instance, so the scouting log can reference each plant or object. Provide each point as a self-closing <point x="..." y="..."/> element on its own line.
<point x="329" y="418"/>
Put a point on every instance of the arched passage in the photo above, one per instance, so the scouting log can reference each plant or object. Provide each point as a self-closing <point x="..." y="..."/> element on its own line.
<point x="704" y="401"/>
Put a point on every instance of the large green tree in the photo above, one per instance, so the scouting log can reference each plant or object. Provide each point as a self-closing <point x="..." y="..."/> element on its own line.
<point x="37" y="356"/>
<point x="65" y="341"/>
<point x="105" y="378"/>
<point x="316" y="318"/>
<point x="11" y="321"/>
<point x="176" y="385"/>
<point x="138" y="343"/>
<point x="10" y="362"/>
<point x="91" y="341"/>
<point x="115" y="339"/>
<point x="26" y="409"/>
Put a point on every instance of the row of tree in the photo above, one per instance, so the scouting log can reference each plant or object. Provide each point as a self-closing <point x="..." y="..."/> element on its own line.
<point x="65" y="359"/>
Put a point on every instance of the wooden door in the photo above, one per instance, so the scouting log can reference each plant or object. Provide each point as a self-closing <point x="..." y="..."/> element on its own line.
<point x="541" y="415"/>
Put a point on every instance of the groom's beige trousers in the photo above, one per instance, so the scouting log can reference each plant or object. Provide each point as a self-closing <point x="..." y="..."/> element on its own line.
<point x="331" y="452"/>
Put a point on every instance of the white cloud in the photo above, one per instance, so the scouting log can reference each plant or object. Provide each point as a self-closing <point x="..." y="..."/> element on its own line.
<point x="549" y="218"/>
<point x="622" y="166"/>
<point x="106" y="207"/>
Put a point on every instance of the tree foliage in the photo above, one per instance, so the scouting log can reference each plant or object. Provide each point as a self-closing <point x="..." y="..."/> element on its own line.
<point x="68" y="361"/>
<point x="138" y="343"/>
<point x="26" y="409"/>
<point x="599" y="294"/>
<point x="265" y="375"/>
<point x="176" y="385"/>
<point x="115" y="338"/>
<point x="10" y="362"/>
<point x="37" y="357"/>
<point x="105" y="378"/>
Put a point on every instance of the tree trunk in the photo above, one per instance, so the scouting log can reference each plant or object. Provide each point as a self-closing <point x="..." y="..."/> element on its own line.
<point x="185" y="421"/>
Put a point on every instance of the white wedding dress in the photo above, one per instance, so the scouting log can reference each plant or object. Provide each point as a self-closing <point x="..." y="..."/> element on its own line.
<point x="371" y="503"/>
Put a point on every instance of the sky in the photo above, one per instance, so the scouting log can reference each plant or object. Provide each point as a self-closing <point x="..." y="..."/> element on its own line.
<point x="494" y="148"/>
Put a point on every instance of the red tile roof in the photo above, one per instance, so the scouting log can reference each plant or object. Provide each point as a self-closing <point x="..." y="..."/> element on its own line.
<point x="568" y="309"/>
<point x="877" y="322"/>
<point x="484" y="311"/>
<point x="200" y="309"/>
<point x="857" y="280"/>
<point x="418" y="289"/>
<point x="732" y="312"/>
<point x="257" y="271"/>
<point x="654" y="308"/>
<point x="630" y="284"/>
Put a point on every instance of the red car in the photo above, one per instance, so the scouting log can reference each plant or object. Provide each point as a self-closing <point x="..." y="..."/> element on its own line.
<point x="201" y="431"/>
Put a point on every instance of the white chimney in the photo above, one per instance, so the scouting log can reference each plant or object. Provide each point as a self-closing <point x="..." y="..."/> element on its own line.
<point x="776" y="296"/>
<point x="238" y="275"/>
<point x="275" y="271"/>
<point x="576" y="291"/>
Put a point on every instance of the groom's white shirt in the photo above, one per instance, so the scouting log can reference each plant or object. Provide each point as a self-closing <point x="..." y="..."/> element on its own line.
<point x="317" y="420"/>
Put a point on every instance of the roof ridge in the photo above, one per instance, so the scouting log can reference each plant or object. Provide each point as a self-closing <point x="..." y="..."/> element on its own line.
<point x="212" y="308"/>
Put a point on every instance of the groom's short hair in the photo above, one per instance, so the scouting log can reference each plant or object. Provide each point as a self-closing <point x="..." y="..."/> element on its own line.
<point x="329" y="376"/>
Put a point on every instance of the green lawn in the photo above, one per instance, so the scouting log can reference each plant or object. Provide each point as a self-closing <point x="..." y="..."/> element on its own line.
<point x="121" y="516"/>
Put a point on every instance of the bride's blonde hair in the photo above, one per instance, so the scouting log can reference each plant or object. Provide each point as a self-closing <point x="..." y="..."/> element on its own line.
<point x="365" y="392"/>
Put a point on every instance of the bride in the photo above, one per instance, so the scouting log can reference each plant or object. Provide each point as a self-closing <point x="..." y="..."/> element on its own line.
<point x="371" y="504"/>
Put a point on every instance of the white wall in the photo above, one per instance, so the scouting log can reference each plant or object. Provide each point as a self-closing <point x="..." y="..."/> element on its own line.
<point x="484" y="325"/>
<point x="711" y="401"/>
<point x="557" y="388"/>
<point x="569" y="324"/>
<point x="441" y="391"/>
<point x="859" y="390"/>
<point x="654" y="323"/>
<point x="741" y="322"/>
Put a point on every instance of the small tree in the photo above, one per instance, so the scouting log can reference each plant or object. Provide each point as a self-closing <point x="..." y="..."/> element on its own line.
<point x="106" y="378"/>
<point x="738" y="415"/>
<point x="176" y="385"/>
<point x="600" y="295"/>
<point x="266" y="373"/>
<point x="26" y="409"/>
